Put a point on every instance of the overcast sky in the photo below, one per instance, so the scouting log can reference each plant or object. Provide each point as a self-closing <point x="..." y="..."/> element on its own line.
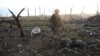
<point x="49" y="5"/>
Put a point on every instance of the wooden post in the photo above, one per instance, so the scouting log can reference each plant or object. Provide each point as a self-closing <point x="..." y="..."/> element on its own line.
<point x="17" y="21"/>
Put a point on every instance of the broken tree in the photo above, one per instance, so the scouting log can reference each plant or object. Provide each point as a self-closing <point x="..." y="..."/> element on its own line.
<point x="17" y="21"/>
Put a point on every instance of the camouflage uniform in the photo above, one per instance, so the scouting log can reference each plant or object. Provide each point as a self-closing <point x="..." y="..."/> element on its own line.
<point x="56" y="24"/>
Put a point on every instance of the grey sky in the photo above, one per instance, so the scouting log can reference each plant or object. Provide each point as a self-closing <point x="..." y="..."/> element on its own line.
<point x="49" y="5"/>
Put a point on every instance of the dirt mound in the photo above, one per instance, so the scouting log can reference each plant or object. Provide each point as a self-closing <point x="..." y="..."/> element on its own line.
<point x="95" y="18"/>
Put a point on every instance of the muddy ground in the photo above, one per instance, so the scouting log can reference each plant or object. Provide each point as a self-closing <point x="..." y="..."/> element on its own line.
<point x="11" y="44"/>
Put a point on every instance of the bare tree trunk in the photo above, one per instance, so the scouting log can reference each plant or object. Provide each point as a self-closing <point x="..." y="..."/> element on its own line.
<point x="20" y="27"/>
<point x="28" y="12"/>
<point x="97" y="9"/>
<point x="40" y="10"/>
<point x="65" y="12"/>
<point x="82" y="13"/>
<point x="35" y="11"/>
<point x="71" y="13"/>
<point x="44" y="12"/>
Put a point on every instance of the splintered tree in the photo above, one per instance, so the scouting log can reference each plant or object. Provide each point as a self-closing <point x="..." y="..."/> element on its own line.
<point x="35" y="11"/>
<point x="71" y="13"/>
<point x="17" y="21"/>
<point x="40" y="10"/>
<point x="28" y="12"/>
<point x="82" y="13"/>
<point x="97" y="9"/>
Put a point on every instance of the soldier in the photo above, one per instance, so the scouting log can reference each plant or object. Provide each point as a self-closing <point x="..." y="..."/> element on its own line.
<point x="56" y="23"/>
